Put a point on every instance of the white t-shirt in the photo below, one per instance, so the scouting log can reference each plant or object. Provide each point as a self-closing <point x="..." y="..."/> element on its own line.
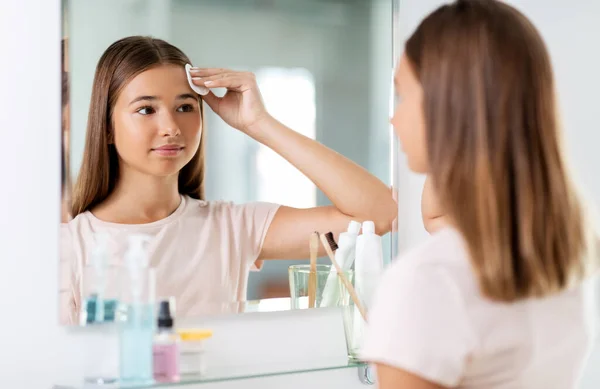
<point x="202" y="253"/>
<point x="430" y="318"/>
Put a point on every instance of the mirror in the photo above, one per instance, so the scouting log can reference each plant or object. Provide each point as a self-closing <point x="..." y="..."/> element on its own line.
<point x="324" y="69"/>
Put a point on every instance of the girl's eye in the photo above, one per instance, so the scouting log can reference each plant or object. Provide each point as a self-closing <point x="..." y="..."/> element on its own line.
<point x="145" y="111"/>
<point x="186" y="108"/>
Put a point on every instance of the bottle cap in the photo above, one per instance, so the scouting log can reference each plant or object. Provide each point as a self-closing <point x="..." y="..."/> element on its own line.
<point x="191" y="335"/>
<point x="354" y="227"/>
<point x="165" y="320"/>
<point x="368" y="227"/>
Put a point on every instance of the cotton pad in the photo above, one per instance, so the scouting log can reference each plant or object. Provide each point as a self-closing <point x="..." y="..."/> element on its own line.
<point x="201" y="90"/>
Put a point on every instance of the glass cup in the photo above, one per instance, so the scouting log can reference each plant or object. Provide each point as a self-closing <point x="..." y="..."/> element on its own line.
<point x="327" y="282"/>
<point x="365" y="285"/>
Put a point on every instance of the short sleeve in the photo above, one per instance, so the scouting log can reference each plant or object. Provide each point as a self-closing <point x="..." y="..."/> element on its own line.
<point x="255" y="219"/>
<point x="418" y="323"/>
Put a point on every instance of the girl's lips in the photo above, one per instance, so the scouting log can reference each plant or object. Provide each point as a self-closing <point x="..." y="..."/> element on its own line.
<point x="168" y="150"/>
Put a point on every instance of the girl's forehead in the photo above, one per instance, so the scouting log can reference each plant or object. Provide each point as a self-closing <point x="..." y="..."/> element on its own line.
<point x="160" y="81"/>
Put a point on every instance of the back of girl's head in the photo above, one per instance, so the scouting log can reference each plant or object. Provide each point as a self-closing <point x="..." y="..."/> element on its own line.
<point x="120" y="63"/>
<point x="494" y="148"/>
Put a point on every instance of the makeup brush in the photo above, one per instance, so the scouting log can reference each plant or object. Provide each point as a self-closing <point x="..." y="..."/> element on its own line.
<point x="342" y="276"/>
<point x="312" y="276"/>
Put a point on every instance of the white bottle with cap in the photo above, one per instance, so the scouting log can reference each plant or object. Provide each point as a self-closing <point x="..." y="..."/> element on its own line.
<point x="367" y="269"/>
<point x="369" y="262"/>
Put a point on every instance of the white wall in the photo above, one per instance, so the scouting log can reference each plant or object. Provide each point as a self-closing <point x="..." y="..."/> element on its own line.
<point x="30" y="122"/>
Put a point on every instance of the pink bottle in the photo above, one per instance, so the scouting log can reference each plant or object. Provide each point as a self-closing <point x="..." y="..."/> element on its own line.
<point x="166" y="347"/>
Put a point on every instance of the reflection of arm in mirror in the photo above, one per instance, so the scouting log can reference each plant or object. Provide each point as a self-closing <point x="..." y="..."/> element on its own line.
<point x="355" y="193"/>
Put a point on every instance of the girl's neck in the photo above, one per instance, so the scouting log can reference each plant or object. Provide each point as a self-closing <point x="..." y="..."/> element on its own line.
<point x="140" y="199"/>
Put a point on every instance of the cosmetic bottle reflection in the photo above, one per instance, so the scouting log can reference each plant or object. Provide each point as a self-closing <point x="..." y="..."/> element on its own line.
<point x="166" y="346"/>
<point x="136" y="316"/>
<point x="136" y="323"/>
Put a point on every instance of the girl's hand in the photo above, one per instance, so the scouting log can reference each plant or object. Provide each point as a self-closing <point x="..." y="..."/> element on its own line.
<point x="242" y="106"/>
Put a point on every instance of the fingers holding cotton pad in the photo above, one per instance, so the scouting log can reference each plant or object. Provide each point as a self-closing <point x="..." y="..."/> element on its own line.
<point x="201" y="90"/>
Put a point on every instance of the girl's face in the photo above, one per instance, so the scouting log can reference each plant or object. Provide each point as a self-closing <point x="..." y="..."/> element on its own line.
<point x="156" y="122"/>
<point x="409" y="120"/>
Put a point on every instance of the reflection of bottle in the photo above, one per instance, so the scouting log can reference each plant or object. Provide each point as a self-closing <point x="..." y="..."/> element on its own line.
<point x="369" y="262"/>
<point x="166" y="347"/>
<point x="136" y="315"/>
<point x="95" y="305"/>
<point x="367" y="269"/>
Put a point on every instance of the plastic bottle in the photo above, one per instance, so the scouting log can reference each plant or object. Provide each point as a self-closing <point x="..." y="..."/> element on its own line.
<point x="368" y="267"/>
<point x="369" y="262"/>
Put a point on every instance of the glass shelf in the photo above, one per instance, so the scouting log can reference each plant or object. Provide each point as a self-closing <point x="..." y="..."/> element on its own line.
<point x="229" y="374"/>
<point x="214" y="309"/>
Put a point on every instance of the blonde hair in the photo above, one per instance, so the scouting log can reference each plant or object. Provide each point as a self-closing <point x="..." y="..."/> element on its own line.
<point x="494" y="148"/>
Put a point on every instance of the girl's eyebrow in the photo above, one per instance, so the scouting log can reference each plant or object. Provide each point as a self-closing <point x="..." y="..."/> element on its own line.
<point x="183" y="96"/>
<point x="143" y="98"/>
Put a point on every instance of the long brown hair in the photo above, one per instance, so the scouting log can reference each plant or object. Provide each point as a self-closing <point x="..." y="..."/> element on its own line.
<point x="119" y="64"/>
<point x="494" y="148"/>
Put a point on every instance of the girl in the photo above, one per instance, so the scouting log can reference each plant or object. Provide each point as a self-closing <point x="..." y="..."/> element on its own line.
<point x="499" y="296"/>
<point x="143" y="170"/>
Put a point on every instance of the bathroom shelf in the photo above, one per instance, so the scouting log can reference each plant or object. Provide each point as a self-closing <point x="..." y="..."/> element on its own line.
<point x="232" y="374"/>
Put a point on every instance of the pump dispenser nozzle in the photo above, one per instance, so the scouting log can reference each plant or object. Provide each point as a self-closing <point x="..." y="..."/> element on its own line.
<point x="165" y="320"/>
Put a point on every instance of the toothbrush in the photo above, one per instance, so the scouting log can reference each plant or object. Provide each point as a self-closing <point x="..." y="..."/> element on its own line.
<point x="344" y="255"/>
<point x="312" y="277"/>
<point x="327" y="245"/>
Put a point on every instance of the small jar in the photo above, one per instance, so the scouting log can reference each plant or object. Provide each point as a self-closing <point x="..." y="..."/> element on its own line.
<point x="191" y="351"/>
